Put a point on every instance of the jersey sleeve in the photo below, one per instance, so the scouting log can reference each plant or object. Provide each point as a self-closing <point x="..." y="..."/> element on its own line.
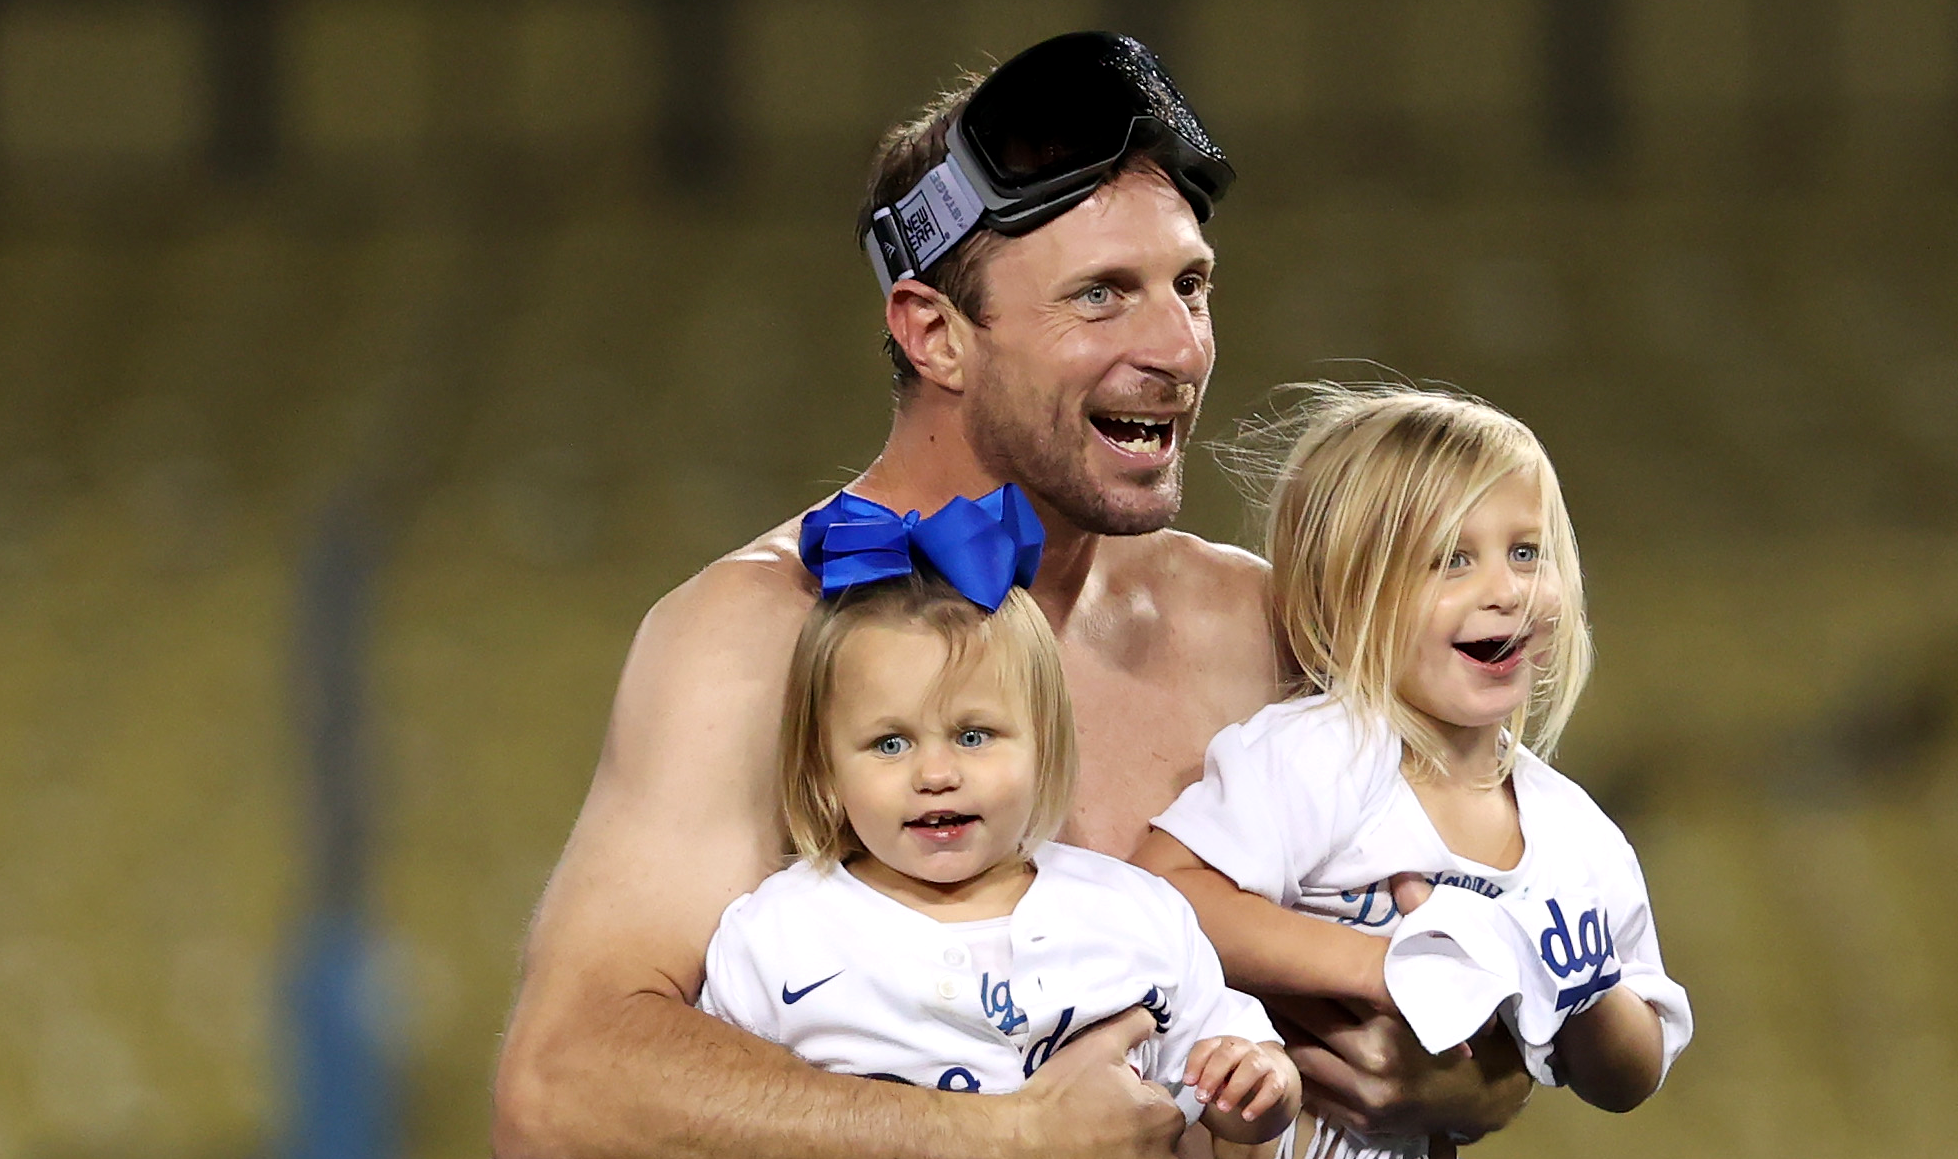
<point x="1643" y="971"/>
<point x="1247" y="817"/>
<point x="1205" y="1007"/>
<point x="734" y="990"/>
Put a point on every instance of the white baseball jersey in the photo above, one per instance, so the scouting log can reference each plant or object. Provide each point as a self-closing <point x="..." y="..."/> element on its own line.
<point x="1305" y="805"/>
<point x="858" y="983"/>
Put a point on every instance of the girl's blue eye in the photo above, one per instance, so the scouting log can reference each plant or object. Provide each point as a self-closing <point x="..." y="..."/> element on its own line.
<point x="1525" y="553"/>
<point x="1458" y="561"/>
<point x="890" y="746"/>
<point x="972" y="738"/>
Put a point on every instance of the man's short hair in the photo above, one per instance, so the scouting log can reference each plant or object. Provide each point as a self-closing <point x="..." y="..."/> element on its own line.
<point x="908" y="152"/>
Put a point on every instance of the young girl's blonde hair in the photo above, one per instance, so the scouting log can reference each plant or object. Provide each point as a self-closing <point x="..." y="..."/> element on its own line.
<point x="1016" y="638"/>
<point x="1369" y="503"/>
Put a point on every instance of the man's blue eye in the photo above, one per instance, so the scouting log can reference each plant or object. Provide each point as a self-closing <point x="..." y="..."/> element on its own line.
<point x="890" y="746"/>
<point x="1097" y="295"/>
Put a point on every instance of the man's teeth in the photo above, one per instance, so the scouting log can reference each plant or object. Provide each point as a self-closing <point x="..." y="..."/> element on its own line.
<point x="1139" y="434"/>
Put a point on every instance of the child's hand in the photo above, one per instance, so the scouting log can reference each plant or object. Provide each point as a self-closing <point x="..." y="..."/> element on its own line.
<point x="1236" y="1074"/>
<point x="1410" y="890"/>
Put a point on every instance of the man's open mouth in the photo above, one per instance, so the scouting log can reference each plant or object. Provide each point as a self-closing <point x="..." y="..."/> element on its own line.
<point x="1136" y="434"/>
<point x="1493" y="650"/>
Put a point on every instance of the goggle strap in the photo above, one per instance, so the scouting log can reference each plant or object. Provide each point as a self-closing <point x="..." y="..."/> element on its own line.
<point x="907" y="237"/>
<point x="883" y="244"/>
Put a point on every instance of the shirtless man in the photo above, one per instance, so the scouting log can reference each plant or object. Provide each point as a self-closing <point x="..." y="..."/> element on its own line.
<point x="1070" y="359"/>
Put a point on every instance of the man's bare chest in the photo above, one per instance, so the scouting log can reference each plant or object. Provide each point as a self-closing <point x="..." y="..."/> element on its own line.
<point x="1141" y="740"/>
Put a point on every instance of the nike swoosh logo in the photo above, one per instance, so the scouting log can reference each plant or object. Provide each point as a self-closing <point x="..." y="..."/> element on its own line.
<point x="791" y="997"/>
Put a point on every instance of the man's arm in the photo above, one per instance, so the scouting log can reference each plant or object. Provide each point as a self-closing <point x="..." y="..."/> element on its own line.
<point x="604" y="1055"/>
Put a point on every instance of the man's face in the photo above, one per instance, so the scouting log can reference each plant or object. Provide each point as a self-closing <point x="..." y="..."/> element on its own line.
<point x="1086" y="378"/>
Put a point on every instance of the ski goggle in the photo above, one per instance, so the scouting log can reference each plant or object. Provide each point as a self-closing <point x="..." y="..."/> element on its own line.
<point x="1036" y="138"/>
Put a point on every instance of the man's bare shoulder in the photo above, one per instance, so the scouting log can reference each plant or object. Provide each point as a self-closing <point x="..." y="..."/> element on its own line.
<point x="752" y="588"/>
<point x="1206" y="605"/>
<point x="1189" y="575"/>
<point x="711" y="644"/>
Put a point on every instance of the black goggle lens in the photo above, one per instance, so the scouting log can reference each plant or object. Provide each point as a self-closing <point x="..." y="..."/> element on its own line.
<point x="1036" y="138"/>
<point x="1069" y="104"/>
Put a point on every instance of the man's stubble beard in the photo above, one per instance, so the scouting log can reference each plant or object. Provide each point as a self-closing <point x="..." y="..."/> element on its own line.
<point x="1054" y="469"/>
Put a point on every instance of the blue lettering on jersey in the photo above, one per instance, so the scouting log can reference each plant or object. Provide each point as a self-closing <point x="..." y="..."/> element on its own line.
<point x="1157" y="1004"/>
<point x="1591" y="947"/>
<point x="1041" y="1049"/>
<point x="1468" y="881"/>
<point x="954" y="1079"/>
<point x="996" y="998"/>
<point x="1376" y="901"/>
<point x="1375" y="895"/>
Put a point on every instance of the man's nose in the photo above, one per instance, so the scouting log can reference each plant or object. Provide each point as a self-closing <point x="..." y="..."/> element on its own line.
<point x="1176" y="338"/>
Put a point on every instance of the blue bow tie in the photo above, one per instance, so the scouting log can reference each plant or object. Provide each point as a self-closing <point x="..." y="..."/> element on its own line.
<point x="981" y="546"/>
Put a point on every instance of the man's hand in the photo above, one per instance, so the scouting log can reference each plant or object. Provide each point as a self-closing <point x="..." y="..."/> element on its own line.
<point x="1364" y="1069"/>
<point x="1087" y="1101"/>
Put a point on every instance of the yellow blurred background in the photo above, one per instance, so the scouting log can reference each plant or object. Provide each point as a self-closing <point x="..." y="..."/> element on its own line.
<point x="397" y="355"/>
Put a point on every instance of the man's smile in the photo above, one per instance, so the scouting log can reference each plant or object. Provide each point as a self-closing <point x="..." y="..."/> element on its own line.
<point x="1136" y="434"/>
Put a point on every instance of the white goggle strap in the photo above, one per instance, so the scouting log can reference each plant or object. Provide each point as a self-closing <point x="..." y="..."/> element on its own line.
<point x="907" y="237"/>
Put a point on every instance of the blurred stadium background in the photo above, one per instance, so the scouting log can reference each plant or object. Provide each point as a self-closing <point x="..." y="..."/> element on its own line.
<point x="367" y="367"/>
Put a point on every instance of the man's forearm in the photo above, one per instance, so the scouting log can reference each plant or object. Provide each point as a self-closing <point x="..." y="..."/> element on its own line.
<point x="663" y="1080"/>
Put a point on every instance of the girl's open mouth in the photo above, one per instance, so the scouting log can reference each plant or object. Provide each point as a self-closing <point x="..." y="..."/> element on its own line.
<point x="942" y="825"/>
<point x="1499" y="653"/>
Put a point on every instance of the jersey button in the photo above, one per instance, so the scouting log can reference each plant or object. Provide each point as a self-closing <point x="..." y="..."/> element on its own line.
<point x="948" y="988"/>
<point x="955" y="957"/>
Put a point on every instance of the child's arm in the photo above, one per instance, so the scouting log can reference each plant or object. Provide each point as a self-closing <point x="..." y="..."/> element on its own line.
<point x="1265" y="948"/>
<point x="1249" y="1090"/>
<point x="1613" y="1054"/>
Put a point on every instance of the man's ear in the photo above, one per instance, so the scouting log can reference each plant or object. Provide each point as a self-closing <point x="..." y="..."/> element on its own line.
<point x="931" y="331"/>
